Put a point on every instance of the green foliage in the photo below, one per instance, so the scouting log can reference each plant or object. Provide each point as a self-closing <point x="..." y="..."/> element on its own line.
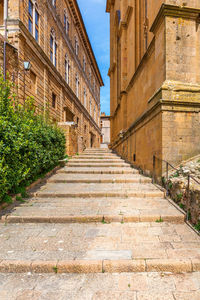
<point x="29" y="144"/>
<point x="181" y="205"/>
<point x="179" y="197"/>
<point x="19" y="199"/>
<point x="197" y="226"/>
<point x="159" y="220"/>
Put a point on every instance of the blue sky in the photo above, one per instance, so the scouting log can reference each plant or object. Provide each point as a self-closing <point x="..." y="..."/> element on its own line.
<point x="97" y="25"/>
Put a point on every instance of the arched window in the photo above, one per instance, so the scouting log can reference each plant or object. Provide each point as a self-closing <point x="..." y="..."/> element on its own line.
<point x="76" y="46"/>
<point x="77" y="85"/>
<point x="67" y="69"/>
<point x="66" y="22"/>
<point x="33" y="19"/>
<point x="53" y="48"/>
<point x="85" y="97"/>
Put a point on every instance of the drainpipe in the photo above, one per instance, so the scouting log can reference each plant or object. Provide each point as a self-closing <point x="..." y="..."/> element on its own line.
<point x="5" y="35"/>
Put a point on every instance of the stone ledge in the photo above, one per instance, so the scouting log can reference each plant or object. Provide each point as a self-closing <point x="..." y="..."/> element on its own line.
<point x="100" y="266"/>
<point x="9" y="219"/>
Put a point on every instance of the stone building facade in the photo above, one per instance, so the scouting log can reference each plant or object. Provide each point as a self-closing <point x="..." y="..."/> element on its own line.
<point x="64" y="77"/>
<point x="105" y="129"/>
<point x="155" y="80"/>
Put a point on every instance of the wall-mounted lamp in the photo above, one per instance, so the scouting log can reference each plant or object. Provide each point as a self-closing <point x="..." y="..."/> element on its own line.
<point x="27" y="65"/>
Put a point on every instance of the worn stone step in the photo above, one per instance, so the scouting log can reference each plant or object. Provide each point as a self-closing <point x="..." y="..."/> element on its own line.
<point x="66" y="210"/>
<point x="96" y="157"/>
<point x="96" y="161"/>
<point x="109" y="155"/>
<point x="83" y="248"/>
<point x="98" y="170"/>
<point x="99" y="178"/>
<point x="99" y="190"/>
<point x="96" y="165"/>
<point x="105" y="286"/>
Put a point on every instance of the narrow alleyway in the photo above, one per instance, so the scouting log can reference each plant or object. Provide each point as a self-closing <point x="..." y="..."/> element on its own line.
<point x="98" y="230"/>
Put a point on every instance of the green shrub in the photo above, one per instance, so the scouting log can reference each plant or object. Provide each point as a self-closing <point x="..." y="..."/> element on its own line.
<point x="29" y="144"/>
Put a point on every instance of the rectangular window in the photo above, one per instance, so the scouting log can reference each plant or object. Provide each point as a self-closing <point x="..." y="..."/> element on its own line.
<point x="54" y="3"/>
<point x="30" y="19"/>
<point x="36" y="25"/>
<point x="51" y="48"/>
<point x="53" y="100"/>
<point x="55" y="55"/>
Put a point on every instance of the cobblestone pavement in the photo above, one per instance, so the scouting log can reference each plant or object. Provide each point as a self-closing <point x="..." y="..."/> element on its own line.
<point x="98" y="230"/>
<point x="135" y="286"/>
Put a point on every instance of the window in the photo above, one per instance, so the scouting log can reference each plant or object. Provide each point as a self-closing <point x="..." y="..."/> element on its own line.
<point x="77" y="121"/>
<point x="85" y="97"/>
<point x="94" y="113"/>
<point x="77" y="86"/>
<point x="90" y="75"/>
<point x="67" y="69"/>
<point x="85" y="128"/>
<point x="66" y="23"/>
<point x="1" y="12"/>
<point x="33" y="20"/>
<point x="90" y="106"/>
<point x="54" y="3"/>
<point x="76" y="46"/>
<point x="94" y="86"/>
<point x="53" y="100"/>
<point x="84" y="63"/>
<point x="53" y="48"/>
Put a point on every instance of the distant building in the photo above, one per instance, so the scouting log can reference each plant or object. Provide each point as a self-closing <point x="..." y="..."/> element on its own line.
<point x="64" y="77"/>
<point x="105" y="129"/>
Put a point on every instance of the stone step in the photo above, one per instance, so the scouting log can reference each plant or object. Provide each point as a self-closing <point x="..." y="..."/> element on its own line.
<point x="96" y="161"/>
<point x="97" y="157"/>
<point x="109" y="155"/>
<point x="66" y="210"/>
<point x="98" y="190"/>
<point x="122" y="286"/>
<point x="98" y="170"/>
<point x="97" y="248"/>
<point x="99" y="178"/>
<point x="100" y="164"/>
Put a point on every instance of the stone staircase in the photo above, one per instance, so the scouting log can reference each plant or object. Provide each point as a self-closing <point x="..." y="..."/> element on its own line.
<point x="98" y="219"/>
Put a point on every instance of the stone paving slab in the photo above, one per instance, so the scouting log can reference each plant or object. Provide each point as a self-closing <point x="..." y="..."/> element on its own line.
<point x="136" y="286"/>
<point x="99" y="178"/>
<point x="98" y="242"/>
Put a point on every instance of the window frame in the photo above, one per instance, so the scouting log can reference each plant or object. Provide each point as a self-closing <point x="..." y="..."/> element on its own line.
<point x="53" y="48"/>
<point x="67" y="69"/>
<point x="77" y="84"/>
<point x="33" y="19"/>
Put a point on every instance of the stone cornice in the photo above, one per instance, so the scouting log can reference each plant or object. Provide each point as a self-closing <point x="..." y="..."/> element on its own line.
<point x="25" y="34"/>
<point x="109" y="4"/>
<point x="163" y="105"/>
<point x="112" y="68"/>
<point x="175" y="11"/>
